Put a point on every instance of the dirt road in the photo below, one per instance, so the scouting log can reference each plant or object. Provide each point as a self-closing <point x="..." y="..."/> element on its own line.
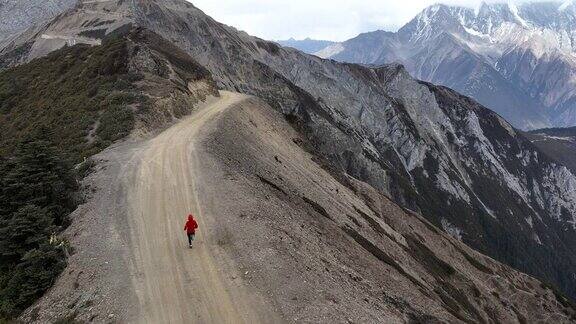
<point x="175" y="284"/>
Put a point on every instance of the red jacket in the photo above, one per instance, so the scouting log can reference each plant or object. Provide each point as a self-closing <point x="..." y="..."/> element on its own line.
<point x="191" y="225"/>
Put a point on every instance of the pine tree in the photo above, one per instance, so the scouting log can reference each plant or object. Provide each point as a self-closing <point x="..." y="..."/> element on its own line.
<point x="28" y="229"/>
<point x="36" y="194"/>
<point x="30" y="279"/>
<point x="4" y="204"/>
<point x="37" y="175"/>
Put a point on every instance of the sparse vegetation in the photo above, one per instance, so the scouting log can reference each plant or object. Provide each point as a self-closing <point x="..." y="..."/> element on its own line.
<point x="66" y="93"/>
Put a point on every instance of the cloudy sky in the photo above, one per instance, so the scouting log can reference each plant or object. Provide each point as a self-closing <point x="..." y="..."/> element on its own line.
<point x="319" y="19"/>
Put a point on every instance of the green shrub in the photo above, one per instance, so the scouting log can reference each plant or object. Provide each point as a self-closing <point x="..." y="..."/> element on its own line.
<point x="37" y="191"/>
<point x="38" y="175"/>
<point x="28" y="228"/>
<point x="115" y="123"/>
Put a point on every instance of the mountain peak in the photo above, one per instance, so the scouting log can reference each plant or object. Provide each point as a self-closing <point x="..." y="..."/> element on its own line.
<point x="433" y="19"/>
<point x="566" y="5"/>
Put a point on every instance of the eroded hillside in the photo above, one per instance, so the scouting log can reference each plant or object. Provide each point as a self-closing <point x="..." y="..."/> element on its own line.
<point x="430" y="148"/>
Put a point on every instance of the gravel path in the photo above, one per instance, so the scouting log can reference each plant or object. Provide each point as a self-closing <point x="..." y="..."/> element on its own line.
<point x="175" y="284"/>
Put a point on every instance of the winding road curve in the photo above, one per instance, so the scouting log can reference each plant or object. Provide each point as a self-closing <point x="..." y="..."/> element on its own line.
<point x="175" y="284"/>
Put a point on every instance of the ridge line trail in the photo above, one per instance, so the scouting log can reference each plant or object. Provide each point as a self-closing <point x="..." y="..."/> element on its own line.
<point x="175" y="284"/>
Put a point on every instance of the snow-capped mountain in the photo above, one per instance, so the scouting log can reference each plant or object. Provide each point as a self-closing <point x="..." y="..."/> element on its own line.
<point x="519" y="60"/>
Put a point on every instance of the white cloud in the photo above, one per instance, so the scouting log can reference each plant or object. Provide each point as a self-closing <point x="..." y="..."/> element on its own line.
<point x="319" y="19"/>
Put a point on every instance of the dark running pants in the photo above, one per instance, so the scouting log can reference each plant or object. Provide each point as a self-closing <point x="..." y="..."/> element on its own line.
<point x="190" y="239"/>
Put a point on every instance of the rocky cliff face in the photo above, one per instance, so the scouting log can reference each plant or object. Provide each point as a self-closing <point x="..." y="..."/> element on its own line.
<point x="18" y="15"/>
<point x="434" y="151"/>
<point x="516" y="60"/>
<point x="558" y="143"/>
<point x="88" y="22"/>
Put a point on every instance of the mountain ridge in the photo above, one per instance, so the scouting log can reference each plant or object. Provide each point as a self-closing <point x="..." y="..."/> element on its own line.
<point x="500" y="37"/>
<point x="558" y="143"/>
<point x="386" y="143"/>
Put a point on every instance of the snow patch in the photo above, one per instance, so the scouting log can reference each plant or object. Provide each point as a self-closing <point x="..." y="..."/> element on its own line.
<point x="514" y="11"/>
<point x="330" y="51"/>
<point x="452" y="187"/>
<point x="474" y="32"/>
<point x="451" y="229"/>
<point x="565" y="5"/>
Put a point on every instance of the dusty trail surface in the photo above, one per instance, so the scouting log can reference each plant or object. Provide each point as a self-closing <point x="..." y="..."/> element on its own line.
<point x="175" y="284"/>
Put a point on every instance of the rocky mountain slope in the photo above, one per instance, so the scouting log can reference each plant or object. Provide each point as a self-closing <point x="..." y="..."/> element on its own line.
<point x="18" y="15"/>
<point x="517" y="60"/>
<point x="432" y="150"/>
<point x="87" y="23"/>
<point x="557" y="143"/>
<point x="381" y="263"/>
